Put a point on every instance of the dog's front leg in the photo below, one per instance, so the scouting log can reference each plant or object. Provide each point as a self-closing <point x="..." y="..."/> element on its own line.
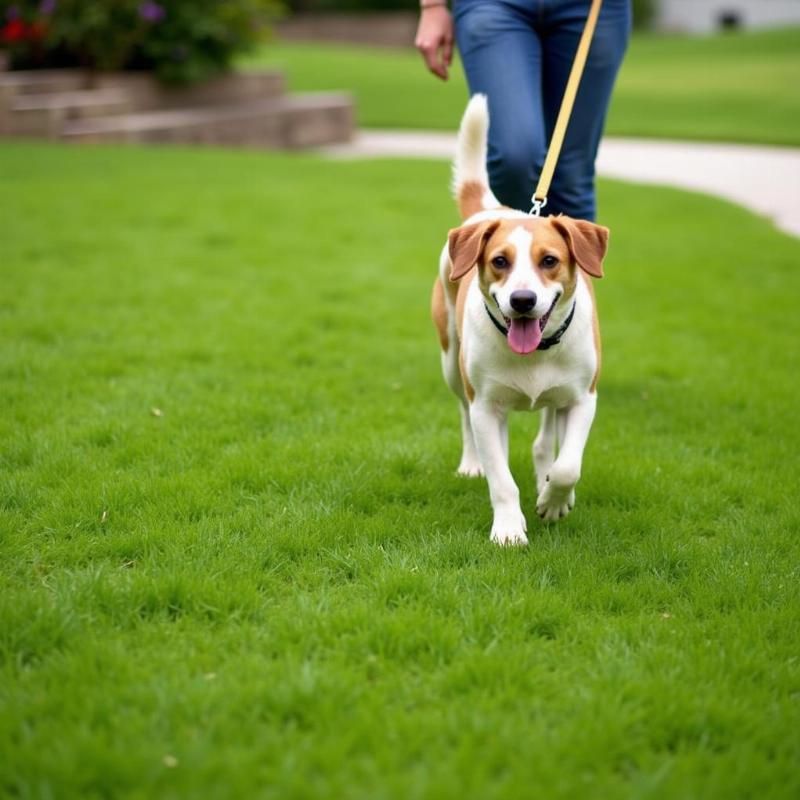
<point x="557" y="497"/>
<point x="544" y="447"/>
<point x="488" y="427"/>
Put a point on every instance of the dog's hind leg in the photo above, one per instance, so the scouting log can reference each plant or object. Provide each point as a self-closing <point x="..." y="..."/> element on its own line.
<point x="444" y="318"/>
<point x="544" y="447"/>
<point x="470" y="463"/>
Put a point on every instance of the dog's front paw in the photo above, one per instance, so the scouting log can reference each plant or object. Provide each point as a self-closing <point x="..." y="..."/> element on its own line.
<point x="508" y="530"/>
<point x="470" y="468"/>
<point x="555" y="502"/>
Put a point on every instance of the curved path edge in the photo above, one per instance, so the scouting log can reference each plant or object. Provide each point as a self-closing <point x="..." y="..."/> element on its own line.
<point x="765" y="180"/>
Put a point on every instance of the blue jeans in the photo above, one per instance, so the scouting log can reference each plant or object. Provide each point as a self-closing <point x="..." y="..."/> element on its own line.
<point x="519" y="53"/>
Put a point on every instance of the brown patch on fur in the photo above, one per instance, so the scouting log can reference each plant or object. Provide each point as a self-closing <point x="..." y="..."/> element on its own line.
<point x="587" y="242"/>
<point x="496" y="246"/>
<point x="470" y="198"/>
<point x="439" y="314"/>
<point x="466" y="246"/>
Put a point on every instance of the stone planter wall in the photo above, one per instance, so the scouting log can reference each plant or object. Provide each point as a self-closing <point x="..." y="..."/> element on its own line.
<point x="248" y="108"/>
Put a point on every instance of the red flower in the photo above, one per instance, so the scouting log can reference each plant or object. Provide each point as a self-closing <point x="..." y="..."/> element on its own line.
<point x="17" y="31"/>
<point x="13" y="31"/>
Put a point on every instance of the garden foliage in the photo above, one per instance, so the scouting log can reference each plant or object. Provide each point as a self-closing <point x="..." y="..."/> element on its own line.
<point x="179" y="40"/>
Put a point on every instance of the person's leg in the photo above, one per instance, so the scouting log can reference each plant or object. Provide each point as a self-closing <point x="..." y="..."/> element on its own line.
<point x="501" y="54"/>
<point x="572" y="191"/>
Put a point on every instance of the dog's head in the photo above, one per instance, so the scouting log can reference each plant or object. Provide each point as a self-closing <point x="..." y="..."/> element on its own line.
<point x="527" y="268"/>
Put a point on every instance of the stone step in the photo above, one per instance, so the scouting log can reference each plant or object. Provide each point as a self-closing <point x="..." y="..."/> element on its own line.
<point x="34" y="82"/>
<point x="41" y="81"/>
<point x="146" y="93"/>
<point x="306" y="120"/>
<point x="46" y="114"/>
<point x="142" y="90"/>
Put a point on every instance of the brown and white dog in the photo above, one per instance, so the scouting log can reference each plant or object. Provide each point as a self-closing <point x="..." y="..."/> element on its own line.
<point x="515" y="312"/>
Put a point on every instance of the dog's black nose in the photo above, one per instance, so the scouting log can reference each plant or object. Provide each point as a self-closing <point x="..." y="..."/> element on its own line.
<point x="523" y="300"/>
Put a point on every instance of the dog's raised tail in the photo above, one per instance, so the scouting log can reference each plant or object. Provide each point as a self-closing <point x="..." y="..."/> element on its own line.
<point x="470" y="179"/>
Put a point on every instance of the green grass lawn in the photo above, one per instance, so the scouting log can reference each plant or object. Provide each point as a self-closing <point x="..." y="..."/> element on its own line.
<point x="741" y="87"/>
<point x="235" y="560"/>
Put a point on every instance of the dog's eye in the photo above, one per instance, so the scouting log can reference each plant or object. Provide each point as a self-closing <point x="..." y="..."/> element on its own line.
<point x="500" y="262"/>
<point x="548" y="262"/>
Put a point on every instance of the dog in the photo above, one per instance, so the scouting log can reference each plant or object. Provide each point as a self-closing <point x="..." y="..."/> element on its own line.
<point x="514" y="308"/>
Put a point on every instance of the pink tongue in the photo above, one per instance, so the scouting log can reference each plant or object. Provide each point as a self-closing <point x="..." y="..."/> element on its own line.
<point x="524" y="335"/>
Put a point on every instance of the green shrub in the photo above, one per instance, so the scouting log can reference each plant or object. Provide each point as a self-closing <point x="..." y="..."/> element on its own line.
<point x="179" y="40"/>
<point x="643" y="11"/>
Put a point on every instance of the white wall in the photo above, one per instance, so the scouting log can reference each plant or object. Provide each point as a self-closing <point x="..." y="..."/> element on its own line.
<point x="703" y="16"/>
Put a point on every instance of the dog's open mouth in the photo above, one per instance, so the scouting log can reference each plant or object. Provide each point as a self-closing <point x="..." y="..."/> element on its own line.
<point x="525" y="333"/>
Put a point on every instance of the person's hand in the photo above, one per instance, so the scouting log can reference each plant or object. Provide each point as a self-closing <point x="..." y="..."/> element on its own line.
<point x="435" y="39"/>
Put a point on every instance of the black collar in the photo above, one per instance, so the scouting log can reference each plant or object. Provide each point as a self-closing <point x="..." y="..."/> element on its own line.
<point x="544" y="344"/>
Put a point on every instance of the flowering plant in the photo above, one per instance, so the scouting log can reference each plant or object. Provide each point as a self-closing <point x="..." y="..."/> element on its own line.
<point x="20" y="32"/>
<point x="180" y="40"/>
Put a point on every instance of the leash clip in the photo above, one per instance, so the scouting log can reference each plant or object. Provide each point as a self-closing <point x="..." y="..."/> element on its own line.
<point x="538" y="205"/>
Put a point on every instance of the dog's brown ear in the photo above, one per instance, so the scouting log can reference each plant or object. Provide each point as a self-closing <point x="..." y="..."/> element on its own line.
<point x="587" y="242"/>
<point x="466" y="245"/>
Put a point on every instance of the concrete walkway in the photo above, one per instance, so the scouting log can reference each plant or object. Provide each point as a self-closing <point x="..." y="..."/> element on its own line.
<point x="764" y="179"/>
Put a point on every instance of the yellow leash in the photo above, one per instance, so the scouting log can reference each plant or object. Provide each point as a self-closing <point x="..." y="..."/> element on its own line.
<point x="539" y="198"/>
